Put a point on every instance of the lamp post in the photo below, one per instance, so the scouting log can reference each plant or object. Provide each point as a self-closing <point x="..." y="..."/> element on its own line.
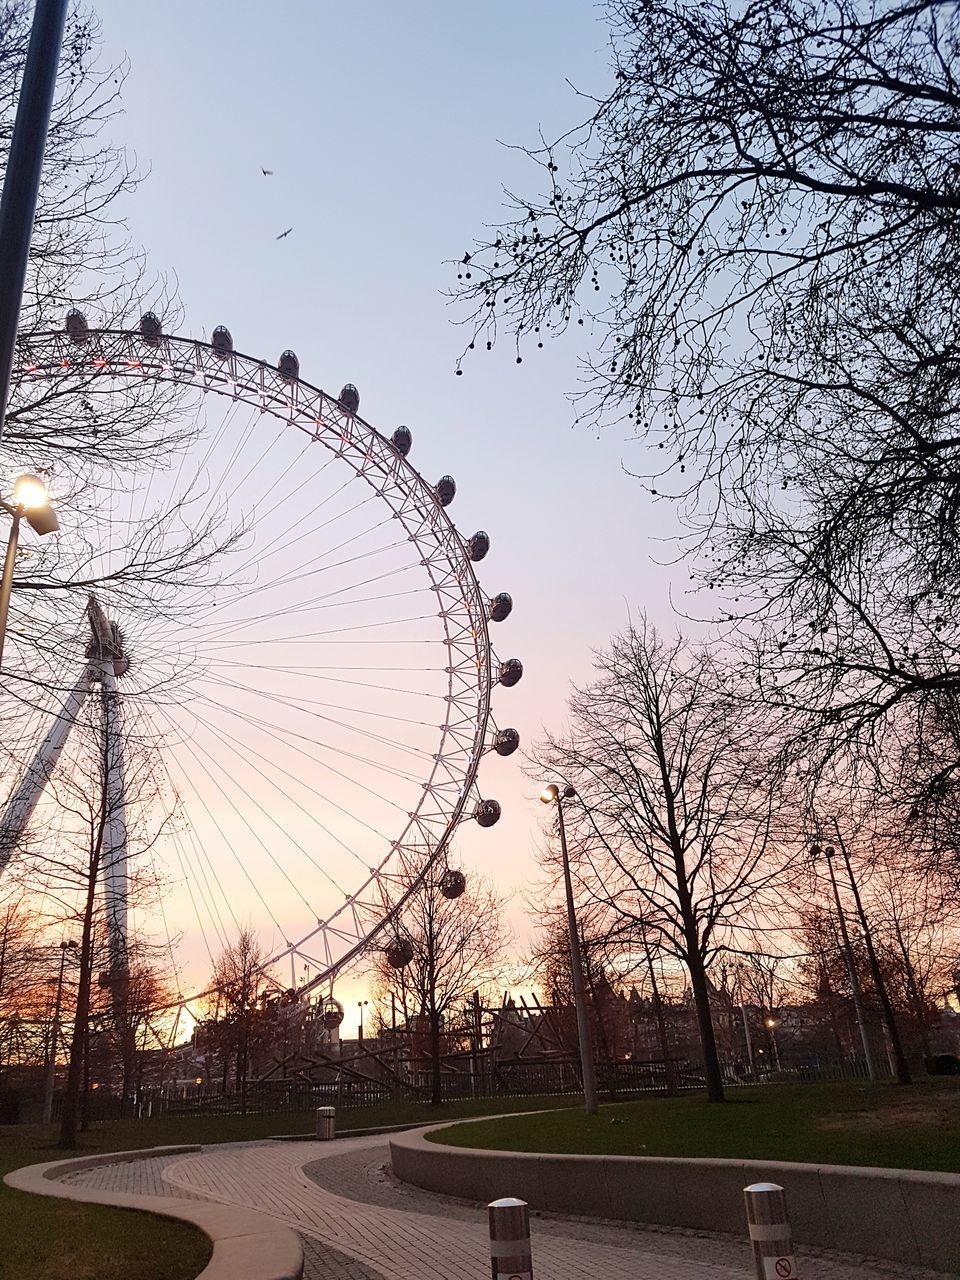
<point x="771" y="1024"/>
<point x="851" y="968"/>
<point x="898" y="1061"/>
<point x="21" y="184"/>
<point x="360" y="1005"/>
<point x="47" y="1114"/>
<point x="551" y="794"/>
<point x="30" y="502"/>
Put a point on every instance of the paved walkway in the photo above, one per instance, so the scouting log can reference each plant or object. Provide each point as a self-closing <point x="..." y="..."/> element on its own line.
<point x="358" y="1223"/>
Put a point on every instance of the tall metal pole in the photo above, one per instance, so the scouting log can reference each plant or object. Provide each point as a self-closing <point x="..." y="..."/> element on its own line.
<point x="576" y="967"/>
<point x="852" y="973"/>
<point x="901" y="1070"/>
<point x="6" y="583"/>
<point x="21" y="185"/>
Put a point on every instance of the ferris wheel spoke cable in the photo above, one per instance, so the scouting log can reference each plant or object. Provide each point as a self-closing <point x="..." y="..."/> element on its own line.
<point x="335" y="805"/>
<point x="308" y="606"/>
<point x="194" y="749"/>
<point x="244" y="752"/>
<point x="227" y="844"/>
<point x="301" y="573"/>
<point x="338" y="751"/>
<point x="333" y="706"/>
<point x="314" y="636"/>
<point x="285" y="533"/>
<point x="327" y="600"/>
<point x="299" y="705"/>
<point x="235" y="453"/>
<point x="263" y="553"/>
<point x="321" y="569"/>
<point x="276" y="730"/>
<point x="202" y="882"/>
<point x="309" y="672"/>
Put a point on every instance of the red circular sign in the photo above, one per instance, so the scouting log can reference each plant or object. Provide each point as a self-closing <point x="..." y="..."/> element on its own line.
<point x="784" y="1268"/>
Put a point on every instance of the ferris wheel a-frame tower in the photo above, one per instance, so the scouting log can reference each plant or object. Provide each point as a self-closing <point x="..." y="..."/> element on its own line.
<point x="106" y="661"/>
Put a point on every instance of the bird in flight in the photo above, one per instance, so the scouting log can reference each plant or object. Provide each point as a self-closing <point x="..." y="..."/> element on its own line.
<point x="283" y="234"/>
<point x="267" y="173"/>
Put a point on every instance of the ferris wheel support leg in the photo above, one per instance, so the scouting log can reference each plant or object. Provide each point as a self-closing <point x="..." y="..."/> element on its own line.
<point x="114" y="859"/>
<point x="24" y="799"/>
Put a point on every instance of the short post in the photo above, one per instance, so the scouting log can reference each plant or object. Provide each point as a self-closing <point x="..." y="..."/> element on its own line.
<point x="326" y="1123"/>
<point x="510" y="1257"/>
<point x="770" y="1231"/>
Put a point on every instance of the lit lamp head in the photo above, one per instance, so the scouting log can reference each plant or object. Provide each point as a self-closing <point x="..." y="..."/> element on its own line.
<point x="30" y="494"/>
<point x="552" y="792"/>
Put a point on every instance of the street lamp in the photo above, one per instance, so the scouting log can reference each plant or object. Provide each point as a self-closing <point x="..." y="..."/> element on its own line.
<point x="47" y="1113"/>
<point x="30" y="501"/>
<point x="361" y="1004"/>
<point x="551" y="794"/>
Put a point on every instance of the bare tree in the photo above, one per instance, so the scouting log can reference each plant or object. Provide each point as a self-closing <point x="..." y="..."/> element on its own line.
<point x="25" y="997"/>
<point x="676" y="834"/>
<point x="241" y="988"/>
<point x="758" y="227"/>
<point x="84" y="861"/>
<point x="456" y="946"/>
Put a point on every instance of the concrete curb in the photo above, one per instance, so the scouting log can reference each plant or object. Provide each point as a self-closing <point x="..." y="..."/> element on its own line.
<point x="246" y="1245"/>
<point x="901" y="1215"/>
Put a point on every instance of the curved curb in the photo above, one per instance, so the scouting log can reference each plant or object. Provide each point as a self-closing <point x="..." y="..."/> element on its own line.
<point x="901" y="1215"/>
<point x="246" y="1245"/>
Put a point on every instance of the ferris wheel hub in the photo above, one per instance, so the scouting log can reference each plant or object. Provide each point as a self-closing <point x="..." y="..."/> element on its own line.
<point x="106" y="639"/>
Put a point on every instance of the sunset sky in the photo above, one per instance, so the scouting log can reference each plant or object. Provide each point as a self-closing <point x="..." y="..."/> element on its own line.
<point x="383" y="125"/>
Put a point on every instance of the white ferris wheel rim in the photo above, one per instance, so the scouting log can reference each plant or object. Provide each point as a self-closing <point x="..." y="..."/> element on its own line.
<point x="122" y="355"/>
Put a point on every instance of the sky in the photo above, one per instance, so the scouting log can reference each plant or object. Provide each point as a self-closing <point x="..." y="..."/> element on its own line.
<point x="386" y="128"/>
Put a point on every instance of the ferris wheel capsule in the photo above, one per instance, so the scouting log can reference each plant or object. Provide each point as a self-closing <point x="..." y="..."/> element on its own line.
<point x="478" y="546"/>
<point x="399" y="953"/>
<point x="506" y="741"/>
<point x="402" y="440"/>
<point x="452" y="883"/>
<point x="76" y="326"/>
<point x="446" y="490"/>
<point x="501" y="607"/>
<point x="511" y="672"/>
<point x="288" y="366"/>
<point x="332" y="1013"/>
<point x="222" y="342"/>
<point x="349" y="397"/>
<point x="151" y="330"/>
<point x="487" y="813"/>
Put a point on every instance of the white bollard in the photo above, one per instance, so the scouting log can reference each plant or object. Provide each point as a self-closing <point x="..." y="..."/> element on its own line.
<point x="510" y="1257"/>
<point x="770" y="1231"/>
<point x="326" y="1123"/>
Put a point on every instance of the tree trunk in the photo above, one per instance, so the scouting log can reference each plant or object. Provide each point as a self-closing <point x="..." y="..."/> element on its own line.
<point x="913" y="990"/>
<point x="436" y="1089"/>
<point x="81" y="1021"/>
<point x="695" y="965"/>
<point x="701" y="999"/>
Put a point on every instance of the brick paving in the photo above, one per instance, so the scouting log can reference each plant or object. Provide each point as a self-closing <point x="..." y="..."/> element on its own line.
<point x="358" y="1223"/>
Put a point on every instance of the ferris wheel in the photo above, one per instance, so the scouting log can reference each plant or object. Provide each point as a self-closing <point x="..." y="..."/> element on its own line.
<point x="317" y="696"/>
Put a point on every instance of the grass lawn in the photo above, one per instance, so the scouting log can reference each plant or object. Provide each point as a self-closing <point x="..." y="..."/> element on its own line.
<point x="49" y="1239"/>
<point x="46" y="1239"/>
<point x="915" y="1127"/>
